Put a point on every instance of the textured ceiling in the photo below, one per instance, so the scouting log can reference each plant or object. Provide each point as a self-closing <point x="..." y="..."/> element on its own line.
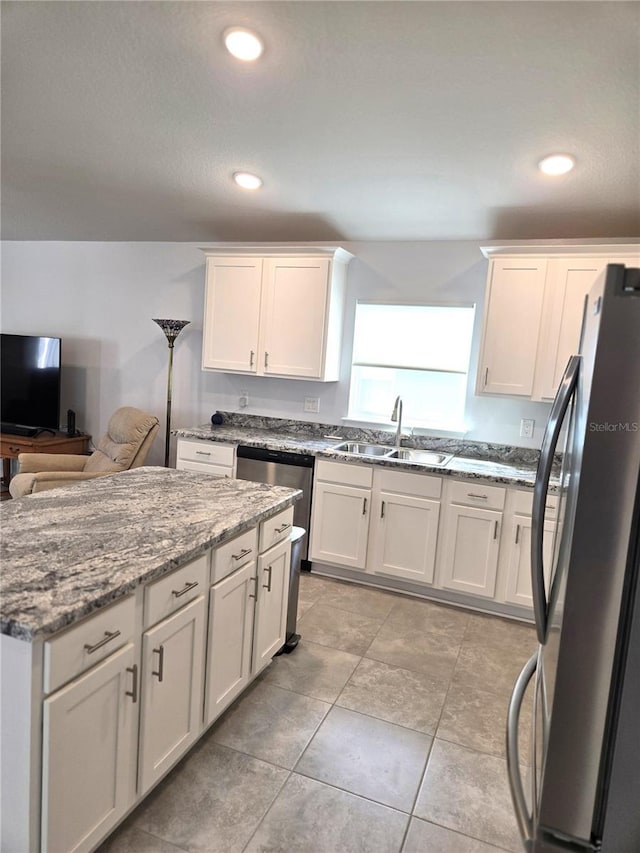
<point x="367" y="120"/>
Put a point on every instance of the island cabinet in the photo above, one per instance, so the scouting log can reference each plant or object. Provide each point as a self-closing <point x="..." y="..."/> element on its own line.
<point x="533" y="313"/>
<point x="275" y="312"/>
<point x="109" y="705"/>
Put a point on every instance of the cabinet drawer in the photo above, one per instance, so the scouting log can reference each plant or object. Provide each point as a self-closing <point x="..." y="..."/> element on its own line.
<point x="207" y="452"/>
<point x="82" y="646"/>
<point x="477" y="494"/>
<point x="204" y="468"/>
<point x="342" y="472"/>
<point x="523" y="504"/>
<point x="233" y="554"/>
<point x="420" y="485"/>
<point x="171" y="592"/>
<point x="276" y="529"/>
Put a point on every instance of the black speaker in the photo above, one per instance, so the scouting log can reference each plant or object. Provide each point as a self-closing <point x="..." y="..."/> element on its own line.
<point x="71" y="422"/>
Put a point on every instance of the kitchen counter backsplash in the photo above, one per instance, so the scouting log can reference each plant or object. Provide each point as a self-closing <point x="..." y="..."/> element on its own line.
<point x="237" y="427"/>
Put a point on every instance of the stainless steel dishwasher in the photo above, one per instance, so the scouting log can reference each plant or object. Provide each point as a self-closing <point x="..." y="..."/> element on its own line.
<point x="281" y="468"/>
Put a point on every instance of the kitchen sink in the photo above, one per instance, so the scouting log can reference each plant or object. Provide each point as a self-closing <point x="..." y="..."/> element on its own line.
<point x="421" y="457"/>
<point x="363" y="449"/>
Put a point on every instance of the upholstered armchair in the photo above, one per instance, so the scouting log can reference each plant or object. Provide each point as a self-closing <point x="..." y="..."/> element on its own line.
<point x="130" y="434"/>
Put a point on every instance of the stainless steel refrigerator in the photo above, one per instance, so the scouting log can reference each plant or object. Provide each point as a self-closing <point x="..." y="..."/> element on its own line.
<point x="582" y="791"/>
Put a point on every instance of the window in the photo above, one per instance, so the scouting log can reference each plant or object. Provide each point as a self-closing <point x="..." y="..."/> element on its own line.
<point x="420" y="352"/>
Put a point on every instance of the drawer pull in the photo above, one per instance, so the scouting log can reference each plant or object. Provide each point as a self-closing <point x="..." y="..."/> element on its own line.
<point x="180" y="592"/>
<point x="243" y="553"/>
<point x="203" y="453"/>
<point x="255" y="580"/>
<point x="282" y="528"/>
<point x="480" y="497"/>
<point x="267" y="585"/>
<point x="108" y="636"/>
<point x="160" y="671"/>
<point x="134" y="687"/>
<point x="517" y="533"/>
<point x="495" y="530"/>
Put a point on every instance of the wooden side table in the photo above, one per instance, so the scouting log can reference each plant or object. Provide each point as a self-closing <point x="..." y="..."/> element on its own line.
<point x="12" y="445"/>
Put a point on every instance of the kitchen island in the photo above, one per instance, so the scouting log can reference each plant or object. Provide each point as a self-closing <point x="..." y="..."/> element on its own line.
<point x="135" y="608"/>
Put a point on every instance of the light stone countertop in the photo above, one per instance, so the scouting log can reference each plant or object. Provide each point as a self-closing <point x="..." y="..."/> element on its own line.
<point x="466" y="463"/>
<point x="69" y="551"/>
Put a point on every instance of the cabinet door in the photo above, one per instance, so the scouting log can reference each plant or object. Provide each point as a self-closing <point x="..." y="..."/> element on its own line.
<point x="296" y="294"/>
<point x="568" y="282"/>
<point x="172" y="681"/>
<point x="512" y="322"/>
<point x="272" y="591"/>
<point x="89" y="754"/>
<point x="404" y="534"/>
<point x="231" y="612"/>
<point x="340" y="525"/>
<point x="470" y="555"/>
<point x="518" y="589"/>
<point x="232" y="314"/>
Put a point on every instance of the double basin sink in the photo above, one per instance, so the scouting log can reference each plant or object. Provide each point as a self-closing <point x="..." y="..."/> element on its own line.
<point x="402" y="454"/>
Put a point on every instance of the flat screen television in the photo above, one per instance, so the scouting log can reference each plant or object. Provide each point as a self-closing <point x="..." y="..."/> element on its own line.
<point x="29" y="383"/>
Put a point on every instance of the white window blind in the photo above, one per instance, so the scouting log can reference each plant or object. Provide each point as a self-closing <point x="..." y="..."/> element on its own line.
<point x="420" y="352"/>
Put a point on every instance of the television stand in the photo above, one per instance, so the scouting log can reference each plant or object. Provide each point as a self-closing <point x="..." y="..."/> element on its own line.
<point x="12" y="445"/>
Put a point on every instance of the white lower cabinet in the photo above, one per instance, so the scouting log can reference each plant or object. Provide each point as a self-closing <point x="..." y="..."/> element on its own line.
<point x="231" y="611"/>
<point x="470" y="550"/>
<point x="89" y="741"/>
<point x="404" y="525"/>
<point x="272" y="587"/>
<point x="340" y="517"/>
<point x="171" y="688"/>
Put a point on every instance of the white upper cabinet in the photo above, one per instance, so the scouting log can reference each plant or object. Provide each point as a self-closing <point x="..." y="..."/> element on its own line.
<point x="533" y="313"/>
<point x="515" y="295"/>
<point x="275" y="313"/>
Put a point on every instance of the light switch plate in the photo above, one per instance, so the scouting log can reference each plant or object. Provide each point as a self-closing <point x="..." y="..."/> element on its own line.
<point x="312" y="404"/>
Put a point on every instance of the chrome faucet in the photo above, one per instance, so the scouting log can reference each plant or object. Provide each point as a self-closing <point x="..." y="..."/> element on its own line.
<point x="396" y="415"/>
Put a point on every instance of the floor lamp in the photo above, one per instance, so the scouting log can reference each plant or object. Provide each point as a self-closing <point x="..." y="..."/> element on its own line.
<point x="172" y="329"/>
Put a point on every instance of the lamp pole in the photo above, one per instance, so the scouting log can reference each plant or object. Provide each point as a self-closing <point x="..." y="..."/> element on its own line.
<point x="172" y="329"/>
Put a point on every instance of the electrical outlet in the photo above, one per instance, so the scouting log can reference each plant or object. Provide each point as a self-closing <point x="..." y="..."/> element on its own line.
<point x="312" y="404"/>
<point x="243" y="400"/>
<point x="526" y="427"/>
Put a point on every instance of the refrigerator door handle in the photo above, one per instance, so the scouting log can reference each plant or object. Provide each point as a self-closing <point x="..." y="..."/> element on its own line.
<point x="549" y="443"/>
<point x="523" y="816"/>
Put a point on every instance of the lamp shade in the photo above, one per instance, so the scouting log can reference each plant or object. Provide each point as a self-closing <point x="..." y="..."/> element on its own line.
<point x="171" y="328"/>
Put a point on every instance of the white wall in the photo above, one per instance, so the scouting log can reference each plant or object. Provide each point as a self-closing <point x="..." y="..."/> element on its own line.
<point x="101" y="298"/>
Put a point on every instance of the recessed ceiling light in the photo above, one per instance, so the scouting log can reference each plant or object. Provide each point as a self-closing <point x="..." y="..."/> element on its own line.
<point x="243" y="44"/>
<point x="557" y="164"/>
<point x="247" y="181"/>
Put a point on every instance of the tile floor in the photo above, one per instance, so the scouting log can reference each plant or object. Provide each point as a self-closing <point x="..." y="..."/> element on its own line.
<point x="382" y="732"/>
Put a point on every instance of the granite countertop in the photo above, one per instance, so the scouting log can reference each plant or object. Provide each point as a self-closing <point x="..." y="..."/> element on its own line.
<point x="67" y="552"/>
<point x="472" y="460"/>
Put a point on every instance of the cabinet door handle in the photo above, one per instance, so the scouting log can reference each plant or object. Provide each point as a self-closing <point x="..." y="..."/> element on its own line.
<point x="282" y="528"/>
<point x="134" y="687"/>
<point x="382" y="510"/>
<point x="160" y="671"/>
<point x="255" y="580"/>
<point x="495" y="530"/>
<point x="243" y="553"/>
<point x="486" y="377"/>
<point x="203" y="453"/>
<point x="186" y="588"/>
<point x="479" y="497"/>
<point x="364" y="506"/>
<point x="108" y="636"/>
<point x="267" y="585"/>
<point x="266" y="359"/>
<point x="252" y="355"/>
<point x="517" y="533"/>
